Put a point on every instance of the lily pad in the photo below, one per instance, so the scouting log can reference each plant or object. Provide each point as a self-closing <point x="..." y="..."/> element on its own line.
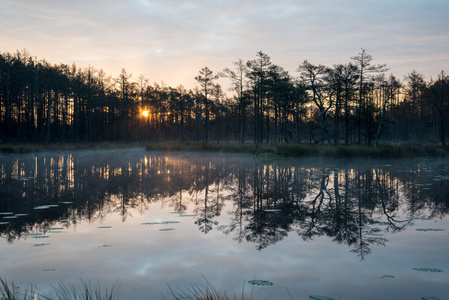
<point x="40" y="245"/>
<point x="260" y="282"/>
<point x="166" y="229"/>
<point x="41" y="237"/>
<point x="41" y="207"/>
<point x="321" y="298"/>
<point x="386" y="276"/>
<point x="433" y="270"/>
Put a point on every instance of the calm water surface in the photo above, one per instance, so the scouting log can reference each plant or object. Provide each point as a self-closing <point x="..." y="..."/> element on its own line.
<point x="150" y="219"/>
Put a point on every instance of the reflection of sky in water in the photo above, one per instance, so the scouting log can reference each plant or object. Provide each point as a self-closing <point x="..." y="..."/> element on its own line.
<point x="145" y="259"/>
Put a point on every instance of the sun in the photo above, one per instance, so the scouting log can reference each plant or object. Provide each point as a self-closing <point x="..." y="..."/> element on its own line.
<point x="145" y="113"/>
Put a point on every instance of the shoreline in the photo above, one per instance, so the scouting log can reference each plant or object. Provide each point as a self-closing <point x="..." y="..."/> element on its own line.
<point x="265" y="150"/>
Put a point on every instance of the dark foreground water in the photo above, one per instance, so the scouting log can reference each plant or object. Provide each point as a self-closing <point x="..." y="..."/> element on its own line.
<point x="364" y="229"/>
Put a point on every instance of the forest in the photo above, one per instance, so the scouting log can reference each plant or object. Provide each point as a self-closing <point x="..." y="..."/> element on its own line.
<point x="352" y="103"/>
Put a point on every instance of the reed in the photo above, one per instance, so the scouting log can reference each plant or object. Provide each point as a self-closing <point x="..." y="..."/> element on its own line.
<point x="84" y="291"/>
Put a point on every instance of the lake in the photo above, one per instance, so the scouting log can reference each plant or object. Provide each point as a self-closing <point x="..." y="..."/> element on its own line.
<point x="348" y="229"/>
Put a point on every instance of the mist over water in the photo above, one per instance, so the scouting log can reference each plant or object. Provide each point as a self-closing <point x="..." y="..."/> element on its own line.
<point x="355" y="229"/>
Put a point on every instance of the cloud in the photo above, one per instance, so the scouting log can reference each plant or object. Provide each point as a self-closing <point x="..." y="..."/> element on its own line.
<point x="173" y="39"/>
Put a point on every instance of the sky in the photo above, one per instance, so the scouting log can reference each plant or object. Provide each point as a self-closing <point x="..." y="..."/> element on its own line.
<point x="171" y="40"/>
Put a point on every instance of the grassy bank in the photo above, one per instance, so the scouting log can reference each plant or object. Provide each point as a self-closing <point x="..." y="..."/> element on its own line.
<point x="306" y="150"/>
<point x="267" y="150"/>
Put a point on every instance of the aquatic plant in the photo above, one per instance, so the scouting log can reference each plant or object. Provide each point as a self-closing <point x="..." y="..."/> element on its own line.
<point x="432" y="270"/>
<point x="321" y="298"/>
<point x="204" y="291"/>
<point x="85" y="291"/>
<point x="9" y="291"/>
<point x="260" y="282"/>
<point x="386" y="276"/>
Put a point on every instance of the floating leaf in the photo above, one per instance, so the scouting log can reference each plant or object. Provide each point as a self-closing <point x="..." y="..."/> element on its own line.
<point x="166" y="229"/>
<point x="433" y="270"/>
<point x="32" y="234"/>
<point x="40" y="245"/>
<point x="321" y="298"/>
<point x="429" y="229"/>
<point x="260" y="282"/>
<point x="42" y="207"/>
<point x="386" y="276"/>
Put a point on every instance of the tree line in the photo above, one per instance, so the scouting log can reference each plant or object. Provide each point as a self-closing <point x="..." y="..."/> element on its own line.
<point x="352" y="103"/>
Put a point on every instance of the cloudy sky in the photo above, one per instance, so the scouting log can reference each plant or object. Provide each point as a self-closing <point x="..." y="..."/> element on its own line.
<point x="171" y="40"/>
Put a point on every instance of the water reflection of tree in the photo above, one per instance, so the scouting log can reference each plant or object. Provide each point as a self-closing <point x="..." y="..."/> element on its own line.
<point x="267" y="200"/>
